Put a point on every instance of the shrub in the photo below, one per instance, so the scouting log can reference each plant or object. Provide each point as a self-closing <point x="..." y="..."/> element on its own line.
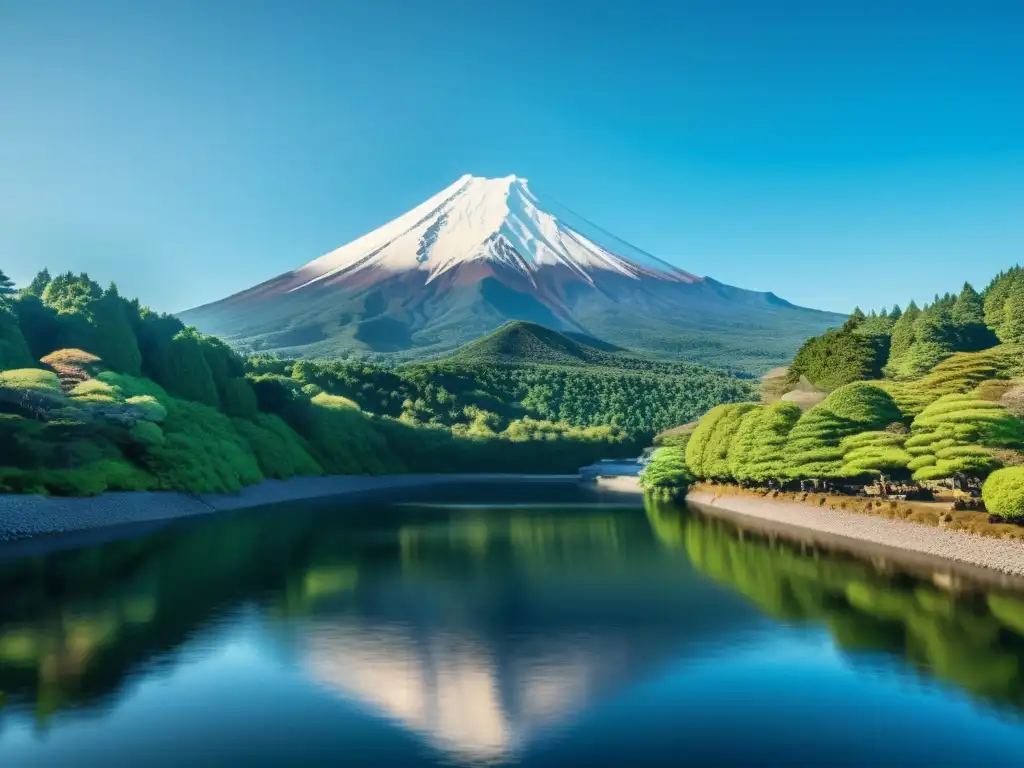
<point x="280" y="451"/>
<point x="814" y="447"/>
<point x="707" y="452"/>
<point x="758" y="448"/>
<point x="30" y="379"/>
<point x="94" y="391"/>
<point x="238" y="399"/>
<point x="667" y="472"/>
<point x="201" y="452"/>
<point x="1003" y="493"/>
<point x="147" y="434"/>
<point x="147" y="408"/>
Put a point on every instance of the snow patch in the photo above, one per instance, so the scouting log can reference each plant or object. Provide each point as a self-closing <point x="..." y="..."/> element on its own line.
<point x="490" y="220"/>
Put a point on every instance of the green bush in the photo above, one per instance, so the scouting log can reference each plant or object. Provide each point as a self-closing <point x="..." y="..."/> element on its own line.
<point x="814" y="448"/>
<point x="667" y="471"/>
<point x="147" y="434"/>
<point x="280" y="451"/>
<point x="238" y="399"/>
<point x="758" y="451"/>
<point x="707" y="452"/>
<point x="201" y="452"/>
<point x="30" y="379"/>
<point x="148" y="408"/>
<point x="1003" y="493"/>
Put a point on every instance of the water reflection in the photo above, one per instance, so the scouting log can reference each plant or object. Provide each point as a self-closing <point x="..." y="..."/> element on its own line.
<point x="479" y="630"/>
<point x="967" y="637"/>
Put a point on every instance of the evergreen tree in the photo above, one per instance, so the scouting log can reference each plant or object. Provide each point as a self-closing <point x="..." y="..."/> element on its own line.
<point x="1011" y="330"/>
<point x="896" y="312"/>
<point x="38" y="325"/>
<point x="902" y="338"/>
<point x="6" y="286"/>
<point x="72" y="293"/>
<point x="38" y="284"/>
<point x="996" y="294"/>
<point x="935" y="339"/>
<point x="969" y="307"/>
<point x="188" y="374"/>
<point x="114" y="338"/>
<point x="968" y="314"/>
<point x="14" y="352"/>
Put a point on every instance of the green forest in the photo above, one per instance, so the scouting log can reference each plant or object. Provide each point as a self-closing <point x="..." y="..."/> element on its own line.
<point x="98" y="392"/>
<point x="922" y="396"/>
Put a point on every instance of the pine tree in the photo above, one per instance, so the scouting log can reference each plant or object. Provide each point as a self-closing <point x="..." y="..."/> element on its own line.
<point x="968" y="314"/>
<point x="6" y="286"/>
<point x="38" y="284"/>
<point x="902" y="338"/>
<point x="968" y="307"/>
<point x="1012" y="328"/>
<point x="896" y="312"/>
<point x="996" y="294"/>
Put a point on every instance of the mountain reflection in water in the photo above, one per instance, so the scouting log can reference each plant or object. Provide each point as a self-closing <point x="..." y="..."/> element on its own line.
<point x="483" y="632"/>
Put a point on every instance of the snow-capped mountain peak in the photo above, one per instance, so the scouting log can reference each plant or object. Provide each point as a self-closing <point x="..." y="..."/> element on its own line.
<point x="499" y="222"/>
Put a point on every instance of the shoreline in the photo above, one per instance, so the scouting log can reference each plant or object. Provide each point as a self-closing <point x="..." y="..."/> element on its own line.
<point x="925" y="548"/>
<point x="974" y="557"/>
<point x="25" y="518"/>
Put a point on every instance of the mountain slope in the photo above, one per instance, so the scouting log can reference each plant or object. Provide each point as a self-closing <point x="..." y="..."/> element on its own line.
<point x="523" y="342"/>
<point x="485" y="251"/>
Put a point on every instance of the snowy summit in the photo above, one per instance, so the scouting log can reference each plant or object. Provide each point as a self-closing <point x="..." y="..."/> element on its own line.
<point x="488" y="220"/>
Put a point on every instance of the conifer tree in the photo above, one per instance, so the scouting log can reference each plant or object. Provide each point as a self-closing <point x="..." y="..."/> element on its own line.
<point x="902" y="338"/>
<point x="6" y="286"/>
<point x="114" y="338"/>
<point x="1012" y="328"/>
<point x="38" y="284"/>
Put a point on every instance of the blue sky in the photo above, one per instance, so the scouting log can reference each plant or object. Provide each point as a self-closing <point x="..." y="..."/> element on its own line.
<point x="836" y="153"/>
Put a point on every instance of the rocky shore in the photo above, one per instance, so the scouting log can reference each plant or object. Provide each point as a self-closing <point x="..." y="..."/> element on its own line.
<point x="1004" y="556"/>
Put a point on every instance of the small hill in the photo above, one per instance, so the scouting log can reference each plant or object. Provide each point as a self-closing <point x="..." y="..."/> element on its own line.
<point x="523" y="342"/>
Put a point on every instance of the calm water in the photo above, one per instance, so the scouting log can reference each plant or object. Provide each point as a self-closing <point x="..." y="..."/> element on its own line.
<point x="559" y="633"/>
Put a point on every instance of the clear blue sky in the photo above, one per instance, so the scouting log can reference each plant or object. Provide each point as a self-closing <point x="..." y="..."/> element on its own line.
<point x="835" y="152"/>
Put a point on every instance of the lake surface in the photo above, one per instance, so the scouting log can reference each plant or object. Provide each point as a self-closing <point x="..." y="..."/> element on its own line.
<point x="566" y="630"/>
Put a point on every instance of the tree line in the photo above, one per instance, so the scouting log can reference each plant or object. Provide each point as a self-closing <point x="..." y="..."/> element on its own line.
<point x="959" y="421"/>
<point x="99" y="392"/>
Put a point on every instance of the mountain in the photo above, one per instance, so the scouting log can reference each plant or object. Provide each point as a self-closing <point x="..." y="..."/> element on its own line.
<point x="485" y="251"/>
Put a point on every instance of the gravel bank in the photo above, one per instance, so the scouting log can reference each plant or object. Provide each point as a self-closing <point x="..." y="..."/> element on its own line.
<point x="23" y="517"/>
<point x="1001" y="555"/>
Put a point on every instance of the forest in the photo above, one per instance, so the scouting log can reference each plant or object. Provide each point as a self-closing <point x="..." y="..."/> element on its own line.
<point x="98" y="392"/>
<point x="921" y="397"/>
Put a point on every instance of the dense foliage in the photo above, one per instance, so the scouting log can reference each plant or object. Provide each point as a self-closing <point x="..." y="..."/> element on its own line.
<point x="667" y="471"/>
<point x="905" y="345"/>
<point x="98" y="392"/>
<point x="922" y="394"/>
<point x="1004" y="495"/>
<point x="522" y="371"/>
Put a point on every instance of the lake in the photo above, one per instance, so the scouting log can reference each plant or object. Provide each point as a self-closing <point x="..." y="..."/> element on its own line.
<point x="496" y="627"/>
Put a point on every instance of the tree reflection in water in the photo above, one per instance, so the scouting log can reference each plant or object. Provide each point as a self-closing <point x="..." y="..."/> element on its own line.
<point x="970" y="637"/>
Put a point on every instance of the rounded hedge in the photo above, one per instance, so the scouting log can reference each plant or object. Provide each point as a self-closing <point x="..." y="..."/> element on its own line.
<point x="1003" y="493"/>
